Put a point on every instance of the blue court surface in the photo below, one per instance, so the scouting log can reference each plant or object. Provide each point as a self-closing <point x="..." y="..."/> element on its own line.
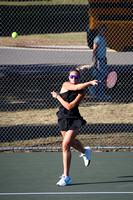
<point x="33" y="176"/>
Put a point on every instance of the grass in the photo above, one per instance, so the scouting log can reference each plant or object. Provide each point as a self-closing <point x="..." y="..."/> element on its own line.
<point x="97" y="113"/>
<point x="65" y="37"/>
<point x="45" y="2"/>
<point x="61" y="39"/>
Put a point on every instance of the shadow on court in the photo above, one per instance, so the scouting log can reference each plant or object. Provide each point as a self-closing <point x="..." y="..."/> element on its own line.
<point x="127" y="181"/>
<point x="34" y="175"/>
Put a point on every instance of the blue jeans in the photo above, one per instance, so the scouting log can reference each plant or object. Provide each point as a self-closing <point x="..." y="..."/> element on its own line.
<point x="99" y="74"/>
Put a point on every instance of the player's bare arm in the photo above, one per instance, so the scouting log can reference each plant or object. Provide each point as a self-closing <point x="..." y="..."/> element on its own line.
<point x="80" y="86"/>
<point x="71" y="105"/>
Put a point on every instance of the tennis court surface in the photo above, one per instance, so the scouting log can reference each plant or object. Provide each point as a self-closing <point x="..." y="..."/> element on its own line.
<point x="33" y="176"/>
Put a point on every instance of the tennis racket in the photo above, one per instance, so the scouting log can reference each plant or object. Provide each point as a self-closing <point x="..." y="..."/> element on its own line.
<point x="110" y="80"/>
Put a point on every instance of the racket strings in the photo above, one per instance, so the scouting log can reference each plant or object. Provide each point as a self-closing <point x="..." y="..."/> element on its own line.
<point x="111" y="79"/>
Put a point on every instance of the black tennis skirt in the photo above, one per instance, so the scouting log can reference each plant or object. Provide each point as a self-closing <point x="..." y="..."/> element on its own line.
<point x="70" y="124"/>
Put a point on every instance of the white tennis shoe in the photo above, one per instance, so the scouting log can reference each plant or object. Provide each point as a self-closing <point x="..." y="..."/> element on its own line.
<point x="64" y="181"/>
<point x="86" y="156"/>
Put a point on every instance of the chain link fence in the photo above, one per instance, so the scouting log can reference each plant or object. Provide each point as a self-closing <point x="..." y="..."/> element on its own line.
<point x="28" y="118"/>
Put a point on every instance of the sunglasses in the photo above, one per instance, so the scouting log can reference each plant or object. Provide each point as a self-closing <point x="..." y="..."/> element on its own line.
<point x="72" y="76"/>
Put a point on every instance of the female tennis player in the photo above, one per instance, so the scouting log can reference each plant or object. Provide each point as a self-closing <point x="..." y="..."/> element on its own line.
<point x="70" y="121"/>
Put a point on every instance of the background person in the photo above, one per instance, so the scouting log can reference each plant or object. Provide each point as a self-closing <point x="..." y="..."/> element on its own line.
<point x="70" y="121"/>
<point x="100" y="62"/>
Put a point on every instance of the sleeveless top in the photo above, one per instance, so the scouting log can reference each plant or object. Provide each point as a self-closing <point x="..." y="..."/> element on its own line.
<point x="68" y="96"/>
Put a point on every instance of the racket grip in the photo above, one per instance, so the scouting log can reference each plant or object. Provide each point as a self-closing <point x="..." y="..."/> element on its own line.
<point x="100" y="81"/>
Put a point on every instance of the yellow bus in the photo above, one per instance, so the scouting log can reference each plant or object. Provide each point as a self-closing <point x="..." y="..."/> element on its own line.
<point x="117" y="16"/>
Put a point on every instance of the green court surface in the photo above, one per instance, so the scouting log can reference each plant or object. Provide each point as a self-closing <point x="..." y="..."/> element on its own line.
<point x="33" y="176"/>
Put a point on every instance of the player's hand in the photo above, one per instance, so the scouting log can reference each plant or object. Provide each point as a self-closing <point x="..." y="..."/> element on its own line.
<point x="54" y="94"/>
<point x="94" y="82"/>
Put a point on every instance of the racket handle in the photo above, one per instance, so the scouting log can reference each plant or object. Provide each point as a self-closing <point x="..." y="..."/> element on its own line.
<point x="101" y="80"/>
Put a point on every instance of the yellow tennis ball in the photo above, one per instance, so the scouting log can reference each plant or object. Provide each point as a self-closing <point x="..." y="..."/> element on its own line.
<point x="14" y="35"/>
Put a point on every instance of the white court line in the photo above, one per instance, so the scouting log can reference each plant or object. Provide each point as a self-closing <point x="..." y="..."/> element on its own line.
<point x="53" y="48"/>
<point x="50" y="48"/>
<point x="60" y="193"/>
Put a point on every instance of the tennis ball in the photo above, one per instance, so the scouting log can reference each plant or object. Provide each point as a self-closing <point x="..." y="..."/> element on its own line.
<point x="14" y="35"/>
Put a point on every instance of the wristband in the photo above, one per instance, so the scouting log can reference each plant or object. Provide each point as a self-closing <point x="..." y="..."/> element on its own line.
<point x="56" y="96"/>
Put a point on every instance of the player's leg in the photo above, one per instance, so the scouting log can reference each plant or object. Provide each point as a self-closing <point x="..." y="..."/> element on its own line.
<point x="68" y="139"/>
<point x="78" y="146"/>
<point x="76" y="143"/>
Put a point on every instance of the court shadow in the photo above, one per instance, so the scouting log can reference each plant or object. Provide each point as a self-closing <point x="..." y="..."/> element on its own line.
<point x="106" y="182"/>
<point x="125" y="177"/>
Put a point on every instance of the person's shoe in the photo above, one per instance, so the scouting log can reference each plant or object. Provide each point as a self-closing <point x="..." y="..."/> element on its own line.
<point x="86" y="156"/>
<point x="64" y="181"/>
